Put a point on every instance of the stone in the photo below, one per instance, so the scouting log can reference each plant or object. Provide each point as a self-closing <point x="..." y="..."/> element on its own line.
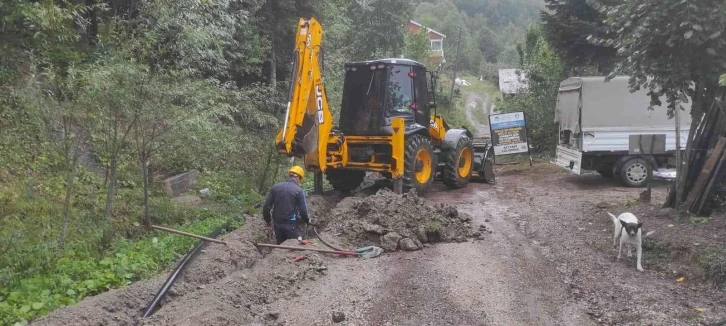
<point x="180" y="183"/>
<point x="602" y="204"/>
<point x="274" y="315"/>
<point x="389" y="242"/>
<point x="338" y="317"/>
<point x="421" y="235"/>
<point x="464" y="217"/>
<point x="373" y="228"/>
<point x="408" y="244"/>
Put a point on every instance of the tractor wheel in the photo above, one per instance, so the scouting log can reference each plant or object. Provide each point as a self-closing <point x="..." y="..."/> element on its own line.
<point x="344" y="180"/>
<point x="459" y="163"/>
<point x="419" y="164"/>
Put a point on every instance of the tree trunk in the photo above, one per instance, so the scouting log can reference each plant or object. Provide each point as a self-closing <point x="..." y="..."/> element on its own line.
<point x="145" y="174"/>
<point x="111" y="189"/>
<point x="698" y="109"/>
<point x="70" y="182"/>
<point x="261" y="186"/>
<point x="273" y="59"/>
<point x="93" y="23"/>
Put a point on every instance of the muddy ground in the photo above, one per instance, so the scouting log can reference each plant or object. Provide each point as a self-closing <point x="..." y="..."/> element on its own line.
<point x="548" y="261"/>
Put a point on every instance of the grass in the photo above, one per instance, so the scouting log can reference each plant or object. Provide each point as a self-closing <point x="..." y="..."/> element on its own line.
<point x="713" y="262"/>
<point x="483" y="88"/>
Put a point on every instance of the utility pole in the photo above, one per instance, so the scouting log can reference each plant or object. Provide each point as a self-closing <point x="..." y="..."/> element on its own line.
<point x="456" y="67"/>
<point x="678" y="159"/>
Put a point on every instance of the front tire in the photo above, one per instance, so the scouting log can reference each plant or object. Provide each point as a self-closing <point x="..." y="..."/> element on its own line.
<point x="418" y="164"/>
<point x="459" y="164"/>
<point x="636" y="172"/>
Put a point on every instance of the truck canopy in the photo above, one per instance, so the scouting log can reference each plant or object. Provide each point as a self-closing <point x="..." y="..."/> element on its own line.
<point x="590" y="103"/>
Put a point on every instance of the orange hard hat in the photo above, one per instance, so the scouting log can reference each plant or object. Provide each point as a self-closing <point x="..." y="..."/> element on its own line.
<point x="297" y="170"/>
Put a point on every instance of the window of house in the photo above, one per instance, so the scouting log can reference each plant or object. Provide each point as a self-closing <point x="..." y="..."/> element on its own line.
<point x="436" y="45"/>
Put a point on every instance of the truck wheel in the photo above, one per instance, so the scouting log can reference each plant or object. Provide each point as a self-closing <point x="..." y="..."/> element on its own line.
<point x="458" y="163"/>
<point x="344" y="180"/>
<point x="418" y="164"/>
<point x="636" y="172"/>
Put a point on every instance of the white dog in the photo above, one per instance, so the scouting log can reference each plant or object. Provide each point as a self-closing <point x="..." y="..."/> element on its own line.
<point x="632" y="236"/>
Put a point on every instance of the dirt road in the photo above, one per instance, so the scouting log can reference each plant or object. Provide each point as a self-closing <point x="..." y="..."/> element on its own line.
<point x="473" y="103"/>
<point x="548" y="260"/>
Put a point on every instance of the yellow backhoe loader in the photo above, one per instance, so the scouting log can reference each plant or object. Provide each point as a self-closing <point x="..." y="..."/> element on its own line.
<point x="385" y="124"/>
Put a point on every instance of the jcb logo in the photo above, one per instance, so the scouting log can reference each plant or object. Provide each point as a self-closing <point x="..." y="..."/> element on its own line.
<point x="319" y="98"/>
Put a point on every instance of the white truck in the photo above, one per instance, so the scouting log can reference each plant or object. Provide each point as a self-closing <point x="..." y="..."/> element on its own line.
<point x="606" y="128"/>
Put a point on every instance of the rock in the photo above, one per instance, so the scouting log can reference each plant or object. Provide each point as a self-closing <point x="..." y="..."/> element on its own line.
<point x="373" y="228"/>
<point x="338" y="317"/>
<point x="603" y="204"/>
<point x="450" y="211"/>
<point x="464" y="217"/>
<point x="364" y="208"/>
<point x="389" y="242"/>
<point x="180" y="183"/>
<point x="421" y="235"/>
<point x="408" y="245"/>
<point x="274" y="315"/>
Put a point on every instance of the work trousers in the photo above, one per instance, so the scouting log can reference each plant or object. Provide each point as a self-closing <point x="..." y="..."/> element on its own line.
<point x="286" y="231"/>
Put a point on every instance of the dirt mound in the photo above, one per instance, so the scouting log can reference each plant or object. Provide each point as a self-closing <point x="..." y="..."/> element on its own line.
<point x="396" y="222"/>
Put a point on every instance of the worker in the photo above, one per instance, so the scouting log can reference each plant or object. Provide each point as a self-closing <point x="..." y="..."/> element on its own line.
<point x="285" y="207"/>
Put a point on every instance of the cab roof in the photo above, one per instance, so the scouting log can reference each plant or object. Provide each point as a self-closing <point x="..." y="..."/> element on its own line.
<point x="397" y="61"/>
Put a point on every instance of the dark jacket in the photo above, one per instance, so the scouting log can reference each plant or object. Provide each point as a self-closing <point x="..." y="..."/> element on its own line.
<point x="287" y="202"/>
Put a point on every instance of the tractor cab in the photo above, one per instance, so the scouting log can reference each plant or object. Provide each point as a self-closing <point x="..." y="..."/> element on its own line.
<point x="375" y="92"/>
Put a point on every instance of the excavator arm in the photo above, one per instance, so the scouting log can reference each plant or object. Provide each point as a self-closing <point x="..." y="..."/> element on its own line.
<point x="308" y="119"/>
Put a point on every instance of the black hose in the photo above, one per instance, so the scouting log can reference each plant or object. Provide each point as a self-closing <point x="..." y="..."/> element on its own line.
<point x="150" y="309"/>
<point x="325" y="243"/>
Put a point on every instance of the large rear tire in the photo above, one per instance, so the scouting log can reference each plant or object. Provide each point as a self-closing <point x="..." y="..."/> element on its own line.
<point x="459" y="163"/>
<point x="419" y="164"/>
<point x="344" y="180"/>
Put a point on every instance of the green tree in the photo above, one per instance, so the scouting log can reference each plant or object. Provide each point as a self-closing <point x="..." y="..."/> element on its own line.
<point x="672" y="48"/>
<point x="378" y="28"/>
<point x="568" y="24"/>
<point x="544" y="71"/>
<point x="417" y="46"/>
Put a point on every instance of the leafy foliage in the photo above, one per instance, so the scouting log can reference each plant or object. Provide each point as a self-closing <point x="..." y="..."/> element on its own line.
<point x="567" y="26"/>
<point x="417" y="46"/>
<point x="544" y="71"/>
<point x="669" y="57"/>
